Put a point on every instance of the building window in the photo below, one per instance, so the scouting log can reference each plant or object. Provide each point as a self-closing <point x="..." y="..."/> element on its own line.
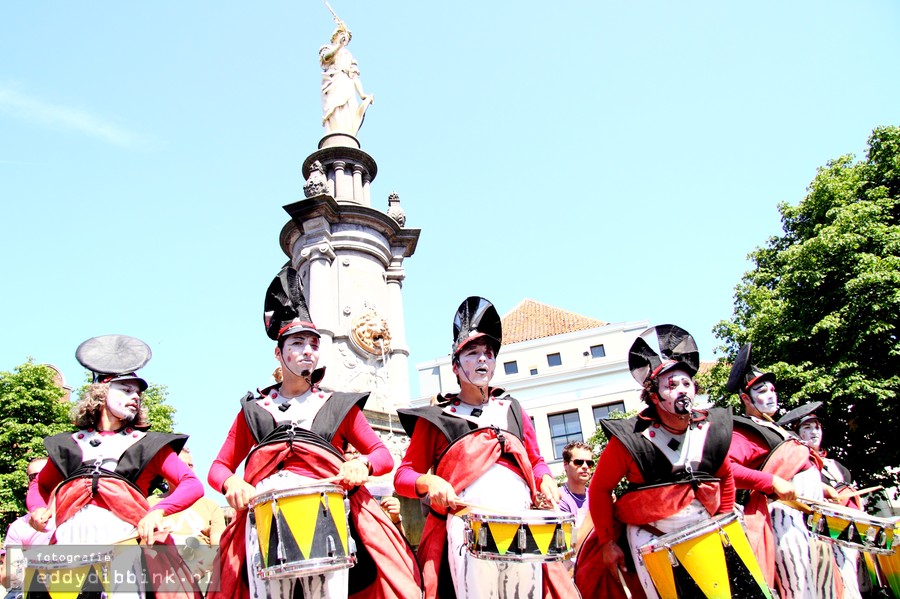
<point x="605" y="410"/>
<point x="597" y="351"/>
<point x="533" y="371"/>
<point x="554" y="360"/>
<point x="511" y="367"/>
<point x="564" y="428"/>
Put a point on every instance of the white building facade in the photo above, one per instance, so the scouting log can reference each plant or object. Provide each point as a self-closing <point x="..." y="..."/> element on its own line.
<point x="566" y="370"/>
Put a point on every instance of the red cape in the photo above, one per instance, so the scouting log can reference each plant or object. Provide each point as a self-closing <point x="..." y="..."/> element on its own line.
<point x="464" y="462"/>
<point x="398" y="574"/>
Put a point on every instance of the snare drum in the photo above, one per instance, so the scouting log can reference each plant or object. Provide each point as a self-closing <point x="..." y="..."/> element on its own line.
<point x="890" y="568"/>
<point x="527" y="536"/>
<point x="852" y="528"/>
<point x="709" y="559"/>
<point x="70" y="575"/>
<point x="302" y="531"/>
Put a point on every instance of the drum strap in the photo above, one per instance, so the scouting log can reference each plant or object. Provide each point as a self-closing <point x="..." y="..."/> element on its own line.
<point x="436" y="514"/>
<point x="651" y="529"/>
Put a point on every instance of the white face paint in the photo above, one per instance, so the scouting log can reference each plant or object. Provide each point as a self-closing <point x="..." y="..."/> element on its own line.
<point x="300" y="354"/>
<point x="676" y="392"/>
<point x="764" y="398"/>
<point x="475" y="364"/>
<point x="124" y="399"/>
<point x="811" y="433"/>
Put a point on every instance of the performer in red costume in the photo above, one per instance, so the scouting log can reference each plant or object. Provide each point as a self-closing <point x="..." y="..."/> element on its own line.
<point x="100" y="476"/>
<point x="770" y="460"/>
<point x="291" y="434"/>
<point x="835" y="475"/>
<point x="674" y="457"/>
<point x="480" y="448"/>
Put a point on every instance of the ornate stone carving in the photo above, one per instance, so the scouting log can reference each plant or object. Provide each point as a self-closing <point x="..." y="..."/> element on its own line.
<point x="395" y="211"/>
<point x="317" y="183"/>
<point x="370" y="333"/>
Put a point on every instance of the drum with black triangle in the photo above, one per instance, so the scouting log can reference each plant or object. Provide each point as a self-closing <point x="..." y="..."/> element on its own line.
<point x="526" y="536"/>
<point x="302" y="531"/>
<point x="68" y="576"/>
<point x="710" y="559"/>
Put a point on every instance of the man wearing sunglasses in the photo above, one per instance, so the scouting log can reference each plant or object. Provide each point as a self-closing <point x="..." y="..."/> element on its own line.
<point x="578" y="462"/>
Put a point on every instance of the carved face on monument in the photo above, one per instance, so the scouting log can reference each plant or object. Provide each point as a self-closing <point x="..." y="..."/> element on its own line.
<point x="299" y="354"/>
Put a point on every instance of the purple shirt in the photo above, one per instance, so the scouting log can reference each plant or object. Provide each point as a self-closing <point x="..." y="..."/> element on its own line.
<point x="571" y="503"/>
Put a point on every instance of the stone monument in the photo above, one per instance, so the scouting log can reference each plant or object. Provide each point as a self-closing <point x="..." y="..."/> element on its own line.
<point x="350" y="255"/>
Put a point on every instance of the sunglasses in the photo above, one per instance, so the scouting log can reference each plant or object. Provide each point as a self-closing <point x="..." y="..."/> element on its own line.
<point x="580" y="463"/>
<point x="32" y="476"/>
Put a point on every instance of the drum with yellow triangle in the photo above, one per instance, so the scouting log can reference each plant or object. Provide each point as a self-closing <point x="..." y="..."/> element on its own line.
<point x="527" y="536"/>
<point x="302" y="531"/>
<point x="710" y="559"/>
<point x="68" y="575"/>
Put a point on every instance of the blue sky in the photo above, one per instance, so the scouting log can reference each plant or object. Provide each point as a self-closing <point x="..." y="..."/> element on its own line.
<point x="615" y="159"/>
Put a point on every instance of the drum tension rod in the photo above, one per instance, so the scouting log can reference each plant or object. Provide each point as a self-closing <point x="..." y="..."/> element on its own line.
<point x="482" y="537"/>
<point x="726" y="542"/>
<point x="672" y="559"/>
<point x="523" y="541"/>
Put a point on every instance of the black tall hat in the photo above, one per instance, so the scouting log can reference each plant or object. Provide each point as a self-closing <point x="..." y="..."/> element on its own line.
<point x="476" y="318"/>
<point x="114" y="358"/>
<point x="744" y="374"/>
<point x="798" y="416"/>
<point x="285" y="311"/>
<point x="662" y="348"/>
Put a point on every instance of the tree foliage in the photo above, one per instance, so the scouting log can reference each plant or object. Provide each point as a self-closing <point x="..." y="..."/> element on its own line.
<point x="32" y="408"/>
<point x="822" y="307"/>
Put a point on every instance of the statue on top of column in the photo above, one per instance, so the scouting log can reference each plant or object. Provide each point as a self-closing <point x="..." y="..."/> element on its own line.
<point x="341" y="111"/>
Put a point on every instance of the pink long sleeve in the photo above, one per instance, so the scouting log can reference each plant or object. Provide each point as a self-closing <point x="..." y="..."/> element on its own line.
<point x="747" y="453"/>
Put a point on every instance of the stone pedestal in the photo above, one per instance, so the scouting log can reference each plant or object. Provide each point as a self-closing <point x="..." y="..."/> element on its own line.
<point x="350" y="260"/>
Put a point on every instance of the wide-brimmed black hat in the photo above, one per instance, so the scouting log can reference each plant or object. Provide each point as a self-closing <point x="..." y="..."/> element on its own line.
<point x="285" y="311"/>
<point x="744" y="374"/>
<point x="798" y="416"/>
<point x="114" y="358"/>
<point x="476" y="318"/>
<point x="660" y="349"/>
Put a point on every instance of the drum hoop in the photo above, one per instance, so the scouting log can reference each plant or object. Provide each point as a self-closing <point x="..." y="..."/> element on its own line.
<point x="853" y="515"/>
<point x="689" y="532"/>
<point x="308" y="567"/>
<point x="524" y="557"/>
<point x="274" y="494"/>
<point x="550" y="518"/>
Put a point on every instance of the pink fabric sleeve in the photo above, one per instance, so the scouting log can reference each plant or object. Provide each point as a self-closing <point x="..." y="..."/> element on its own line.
<point x="186" y="487"/>
<point x="726" y="489"/>
<point x="419" y="458"/>
<point x="237" y="445"/>
<point x="40" y="488"/>
<point x="529" y="438"/>
<point x="356" y="429"/>
<point x="746" y="454"/>
<point x="615" y="463"/>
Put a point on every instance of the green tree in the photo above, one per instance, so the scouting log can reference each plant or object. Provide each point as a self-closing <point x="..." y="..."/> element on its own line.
<point x="30" y="409"/>
<point x="822" y="307"/>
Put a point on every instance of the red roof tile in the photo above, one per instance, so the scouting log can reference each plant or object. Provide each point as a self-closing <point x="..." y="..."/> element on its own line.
<point x="534" y="320"/>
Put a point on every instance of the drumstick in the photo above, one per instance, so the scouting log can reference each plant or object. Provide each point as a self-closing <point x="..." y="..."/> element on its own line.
<point x="475" y="506"/>
<point x="624" y="584"/>
<point x="846" y="494"/>
<point x="800" y="505"/>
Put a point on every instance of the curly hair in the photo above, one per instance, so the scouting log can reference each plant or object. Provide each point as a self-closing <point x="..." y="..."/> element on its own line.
<point x="567" y="450"/>
<point x="86" y="412"/>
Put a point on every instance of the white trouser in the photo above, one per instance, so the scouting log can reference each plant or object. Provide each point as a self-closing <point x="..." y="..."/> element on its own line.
<point x="803" y="563"/>
<point x="330" y="585"/>
<point x="474" y="578"/>
<point x="94" y="525"/>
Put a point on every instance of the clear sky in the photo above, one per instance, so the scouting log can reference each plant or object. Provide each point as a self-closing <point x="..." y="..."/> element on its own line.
<point x="614" y="159"/>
